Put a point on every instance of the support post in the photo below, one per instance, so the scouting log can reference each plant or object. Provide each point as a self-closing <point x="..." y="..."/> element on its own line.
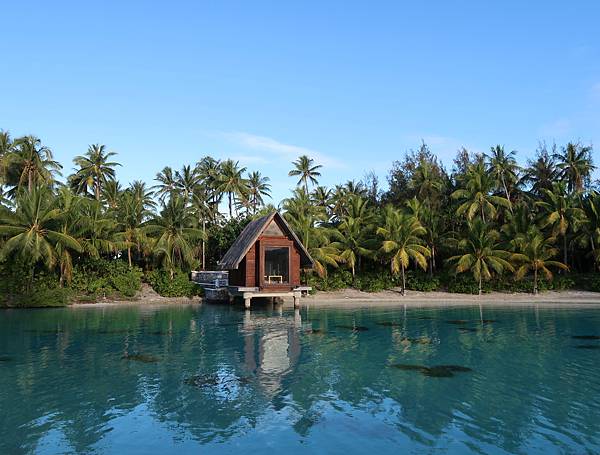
<point x="296" y="300"/>
<point x="247" y="302"/>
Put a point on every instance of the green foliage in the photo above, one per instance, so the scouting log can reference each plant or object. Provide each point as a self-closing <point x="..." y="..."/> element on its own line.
<point x="338" y="279"/>
<point x="106" y="278"/>
<point x="420" y="281"/>
<point x="375" y="282"/>
<point x="44" y="298"/>
<point x="464" y="284"/>
<point x="179" y="286"/>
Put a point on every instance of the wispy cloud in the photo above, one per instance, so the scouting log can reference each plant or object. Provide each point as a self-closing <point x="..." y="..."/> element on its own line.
<point x="278" y="149"/>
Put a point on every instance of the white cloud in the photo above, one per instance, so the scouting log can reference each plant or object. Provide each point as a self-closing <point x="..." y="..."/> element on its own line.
<point x="250" y="159"/>
<point x="279" y="149"/>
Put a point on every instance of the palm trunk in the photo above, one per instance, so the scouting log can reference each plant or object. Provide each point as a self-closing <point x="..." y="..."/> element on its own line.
<point x="403" y="280"/>
<point x="535" y="281"/>
<point x="480" y="285"/>
<point x="565" y="254"/>
<point x="30" y="181"/>
<point x="507" y="194"/>
<point x="230" y="208"/>
<point x="129" y="256"/>
<point x="97" y="190"/>
<point x="203" y="244"/>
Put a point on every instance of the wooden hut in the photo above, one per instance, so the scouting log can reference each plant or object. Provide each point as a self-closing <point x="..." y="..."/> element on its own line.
<point x="265" y="260"/>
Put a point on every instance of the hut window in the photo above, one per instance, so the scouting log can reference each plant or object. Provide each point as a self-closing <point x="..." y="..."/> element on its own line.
<point x="277" y="264"/>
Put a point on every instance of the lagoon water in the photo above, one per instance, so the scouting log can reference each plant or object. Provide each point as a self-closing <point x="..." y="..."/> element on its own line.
<point x="217" y="379"/>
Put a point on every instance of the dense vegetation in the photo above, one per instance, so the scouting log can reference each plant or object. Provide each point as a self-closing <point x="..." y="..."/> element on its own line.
<point x="487" y="224"/>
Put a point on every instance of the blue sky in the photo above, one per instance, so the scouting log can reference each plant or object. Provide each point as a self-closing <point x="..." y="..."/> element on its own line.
<point x="352" y="84"/>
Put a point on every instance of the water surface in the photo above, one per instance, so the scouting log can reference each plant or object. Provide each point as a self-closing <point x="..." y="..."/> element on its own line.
<point x="208" y="379"/>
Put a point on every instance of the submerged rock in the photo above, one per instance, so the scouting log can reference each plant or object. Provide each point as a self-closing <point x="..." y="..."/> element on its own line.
<point x="354" y="328"/>
<point x="214" y="380"/>
<point x="467" y="329"/>
<point x="457" y="321"/>
<point x="137" y="357"/>
<point x="419" y="340"/>
<point x="435" y="371"/>
<point x="315" y="332"/>
<point x="389" y="324"/>
<point x="587" y="346"/>
<point x="6" y="358"/>
<point x="586" y="337"/>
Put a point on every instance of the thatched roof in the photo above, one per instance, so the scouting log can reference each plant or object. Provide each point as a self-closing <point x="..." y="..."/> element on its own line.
<point x="231" y="260"/>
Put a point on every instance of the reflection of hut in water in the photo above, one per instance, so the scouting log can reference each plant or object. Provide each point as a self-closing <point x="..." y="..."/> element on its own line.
<point x="271" y="347"/>
<point x="264" y="261"/>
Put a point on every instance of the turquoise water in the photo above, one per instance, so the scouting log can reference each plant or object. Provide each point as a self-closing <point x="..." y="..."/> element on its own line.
<point x="208" y="379"/>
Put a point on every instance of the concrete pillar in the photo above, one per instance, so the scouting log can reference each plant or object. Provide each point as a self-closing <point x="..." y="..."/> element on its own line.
<point x="296" y="301"/>
<point x="247" y="302"/>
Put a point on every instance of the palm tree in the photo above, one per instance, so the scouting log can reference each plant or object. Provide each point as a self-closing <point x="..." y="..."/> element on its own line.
<point x="536" y="255"/>
<point x="559" y="211"/>
<point x="401" y="236"/>
<point x="95" y="169"/>
<point x="32" y="163"/>
<point x="353" y="235"/>
<point x="167" y="183"/>
<point x="209" y="172"/>
<point x="111" y="193"/>
<point x="504" y="169"/>
<point x="175" y="234"/>
<point x="33" y="232"/>
<point x="307" y="170"/>
<point x="433" y="223"/>
<point x="575" y="164"/>
<point x="476" y="197"/>
<point x="541" y="173"/>
<point x="232" y="182"/>
<point x="481" y="254"/>
<point x="186" y="181"/>
<point x="258" y="187"/>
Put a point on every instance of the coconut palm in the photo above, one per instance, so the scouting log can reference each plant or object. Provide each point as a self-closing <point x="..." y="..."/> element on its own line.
<point x="536" y="253"/>
<point x="111" y="193"/>
<point x="575" y="164"/>
<point x="32" y="232"/>
<point x="232" y="182"/>
<point x="402" y="240"/>
<point x="95" y="169"/>
<point x="504" y="169"/>
<point x="186" y="181"/>
<point x="560" y="213"/>
<point x="258" y="187"/>
<point x="353" y="235"/>
<point x="476" y="195"/>
<point x="175" y="235"/>
<point x="307" y="170"/>
<point x="209" y="171"/>
<point x="31" y="164"/>
<point x="542" y="172"/>
<point x="481" y="254"/>
<point x="167" y="183"/>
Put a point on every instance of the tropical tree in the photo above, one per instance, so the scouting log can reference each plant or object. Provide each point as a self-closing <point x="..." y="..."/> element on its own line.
<point x="481" y="254"/>
<point x="306" y="168"/>
<point x="175" y="235"/>
<point x="542" y="172"/>
<point x="575" y="164"/>
<point x="258" y="187"/>
<point x="504" y="169"/>
<point x="232" y="182"/>
<point x="476" y="195"/>
<point x="31" y="164"/>
<point x="186" y="181"/>
<point x="401" y="234"/>
<point x="560" y="213"/>
<point x="167" y="183"/>
<point x="95" y="170"/>
<point x="32" y="233"/>
<point x="536" y="253"/>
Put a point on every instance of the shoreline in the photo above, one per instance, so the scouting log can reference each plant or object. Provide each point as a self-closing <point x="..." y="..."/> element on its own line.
<point x="352" y="298"/>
